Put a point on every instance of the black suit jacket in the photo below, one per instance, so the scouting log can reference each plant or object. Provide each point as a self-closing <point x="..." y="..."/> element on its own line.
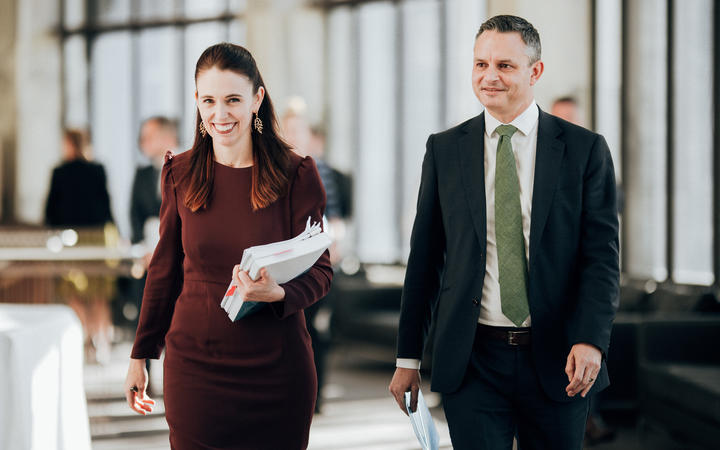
<point x="78" y="195"/>
<point x="144" y="201"/>
<point x="573" y="266"/>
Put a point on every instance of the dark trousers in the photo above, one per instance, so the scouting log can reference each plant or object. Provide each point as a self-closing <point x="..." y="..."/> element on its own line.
<point x="501" y="398"/>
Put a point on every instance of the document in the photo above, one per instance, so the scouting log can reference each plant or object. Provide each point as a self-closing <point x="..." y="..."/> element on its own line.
<point x="422" y="423"/>
<point x="283" y="261"/>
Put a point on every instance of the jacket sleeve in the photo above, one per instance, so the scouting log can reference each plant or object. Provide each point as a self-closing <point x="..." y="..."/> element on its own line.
<point x="165" y="275"/>
<point x="425" y="264"/>
<point x="307" y="198"/>
<point x="599" y="271"/>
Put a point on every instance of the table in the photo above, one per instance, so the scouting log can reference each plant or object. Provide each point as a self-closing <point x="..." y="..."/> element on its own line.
<point x="42" y="398"/>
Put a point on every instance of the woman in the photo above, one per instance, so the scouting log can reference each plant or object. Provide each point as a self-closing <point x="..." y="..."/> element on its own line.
<point x="78" y="194"/>
<point x="250" y="384"/>
<point x="78" y="198"/>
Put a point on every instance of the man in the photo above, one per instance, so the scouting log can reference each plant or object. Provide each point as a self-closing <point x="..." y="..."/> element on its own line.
<point x="157" y="136"/>
<point x="514" y="256"/>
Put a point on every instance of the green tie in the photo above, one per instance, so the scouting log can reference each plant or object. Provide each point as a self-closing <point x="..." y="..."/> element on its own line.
<point x="512" y="264"/>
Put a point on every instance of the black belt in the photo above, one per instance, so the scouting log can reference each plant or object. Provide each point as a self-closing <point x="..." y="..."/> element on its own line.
<point x="511" y="336"/>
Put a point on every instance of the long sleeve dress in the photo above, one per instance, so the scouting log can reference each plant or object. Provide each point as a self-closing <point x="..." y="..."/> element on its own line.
<point x="249" y="384"/>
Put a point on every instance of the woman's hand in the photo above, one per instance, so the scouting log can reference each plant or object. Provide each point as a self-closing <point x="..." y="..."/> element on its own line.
<point x="135" y="386"/>
<point x="264" y="289"/>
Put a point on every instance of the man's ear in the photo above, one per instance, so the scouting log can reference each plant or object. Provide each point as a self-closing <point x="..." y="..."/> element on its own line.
<point x="536" y="72"/>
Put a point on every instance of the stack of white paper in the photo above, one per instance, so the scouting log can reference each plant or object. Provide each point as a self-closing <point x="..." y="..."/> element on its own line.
<point x="283" y="261"/>
<point x="422" y="423"/>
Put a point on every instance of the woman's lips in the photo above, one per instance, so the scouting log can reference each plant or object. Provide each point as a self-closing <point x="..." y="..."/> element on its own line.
<point x="224" y="128"/>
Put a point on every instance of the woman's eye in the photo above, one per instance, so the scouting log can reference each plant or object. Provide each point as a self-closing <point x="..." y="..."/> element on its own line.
<point x="207" y="100"/>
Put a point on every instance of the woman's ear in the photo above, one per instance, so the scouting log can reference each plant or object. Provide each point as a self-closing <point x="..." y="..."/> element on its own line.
<point x="259" y="96"/>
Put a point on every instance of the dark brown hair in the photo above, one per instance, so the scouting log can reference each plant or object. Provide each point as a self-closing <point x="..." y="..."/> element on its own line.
<point x="270" y="153"/>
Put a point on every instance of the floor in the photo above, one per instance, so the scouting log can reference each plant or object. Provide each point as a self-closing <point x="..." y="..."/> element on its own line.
<point x="357" y="413"/>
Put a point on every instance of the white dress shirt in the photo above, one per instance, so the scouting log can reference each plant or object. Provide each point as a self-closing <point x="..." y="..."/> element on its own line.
<point x="524" y="145"/>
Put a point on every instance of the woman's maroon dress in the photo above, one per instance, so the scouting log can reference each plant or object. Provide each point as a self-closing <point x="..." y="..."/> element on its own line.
<point x="249" y="384"/>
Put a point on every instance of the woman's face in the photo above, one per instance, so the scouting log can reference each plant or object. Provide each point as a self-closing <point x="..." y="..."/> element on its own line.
<point x="226" y="102"/>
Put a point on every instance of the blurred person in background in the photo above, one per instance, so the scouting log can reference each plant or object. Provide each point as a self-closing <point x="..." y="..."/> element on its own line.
<point x="158" y="135"/>
<point x="79" y="197"/>
<point x="338" y="186"/>
<point x="250" y="383"/>
<point x="306" y="141"/>
<point x="310" y="141"/>
<point x="78" y="194"/>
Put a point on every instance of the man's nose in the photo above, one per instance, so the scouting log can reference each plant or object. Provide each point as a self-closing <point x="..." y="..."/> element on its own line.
<point x="491" y="73"/>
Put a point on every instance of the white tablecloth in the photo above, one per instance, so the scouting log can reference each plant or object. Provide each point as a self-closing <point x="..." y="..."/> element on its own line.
<point x="42" y="399"/>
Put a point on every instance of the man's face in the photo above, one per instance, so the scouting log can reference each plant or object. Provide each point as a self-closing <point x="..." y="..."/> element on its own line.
<point x="155" y="141"/>
<point x="502" y="76"/>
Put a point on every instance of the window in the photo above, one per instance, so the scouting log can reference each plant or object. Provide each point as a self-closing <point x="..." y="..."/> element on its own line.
<point x="692" y="146"/>
<point x="392" y="82"/>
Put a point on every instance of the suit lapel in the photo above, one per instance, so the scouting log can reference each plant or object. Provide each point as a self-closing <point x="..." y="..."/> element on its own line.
<point x="472" y="166"/>
<point x="548" y="161"/>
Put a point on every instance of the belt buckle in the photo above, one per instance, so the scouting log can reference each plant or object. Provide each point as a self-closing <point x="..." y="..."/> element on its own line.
<point x="512" y="338"/>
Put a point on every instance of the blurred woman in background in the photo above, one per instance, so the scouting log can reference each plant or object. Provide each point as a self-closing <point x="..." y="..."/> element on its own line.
<point x="78" y="198"/>
<point x="78" y="191"/>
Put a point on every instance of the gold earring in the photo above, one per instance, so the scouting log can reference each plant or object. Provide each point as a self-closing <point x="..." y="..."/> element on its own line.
<point x="203" y="131"/>
<point x="257" y="123"/>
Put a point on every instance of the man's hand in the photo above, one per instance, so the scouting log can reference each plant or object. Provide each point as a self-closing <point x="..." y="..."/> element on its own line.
<point x="403" y="381"/>
<point x="583" y="365"/>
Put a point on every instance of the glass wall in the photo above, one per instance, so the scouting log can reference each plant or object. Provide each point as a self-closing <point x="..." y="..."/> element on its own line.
<point x="394" y="80"/>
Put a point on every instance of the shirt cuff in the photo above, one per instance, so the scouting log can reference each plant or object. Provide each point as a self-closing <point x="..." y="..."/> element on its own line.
<point x="408" y="363"/>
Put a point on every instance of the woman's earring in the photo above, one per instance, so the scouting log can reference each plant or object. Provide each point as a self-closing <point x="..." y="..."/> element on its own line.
<point x="257" y="123"/>
<point x="203" y="131"/>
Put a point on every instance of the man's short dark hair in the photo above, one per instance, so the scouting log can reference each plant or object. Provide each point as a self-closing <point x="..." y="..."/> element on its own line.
<point x="510" y="24"/>
<point x="163" y="122"/>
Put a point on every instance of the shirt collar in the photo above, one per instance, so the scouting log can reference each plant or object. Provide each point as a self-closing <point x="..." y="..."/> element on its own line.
<point x="524" y="122"/>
